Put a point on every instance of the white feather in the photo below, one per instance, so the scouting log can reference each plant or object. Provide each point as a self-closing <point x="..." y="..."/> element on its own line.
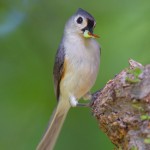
<point x="82" y="57"/>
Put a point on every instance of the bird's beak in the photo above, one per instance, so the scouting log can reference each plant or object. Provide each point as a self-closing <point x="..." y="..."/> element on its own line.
<point x="88" y="34"/>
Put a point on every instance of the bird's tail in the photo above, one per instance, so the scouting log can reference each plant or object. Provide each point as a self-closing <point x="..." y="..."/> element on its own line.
<point x="49" y="139"/>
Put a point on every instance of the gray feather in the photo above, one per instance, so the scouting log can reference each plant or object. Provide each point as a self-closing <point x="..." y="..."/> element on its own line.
<point x="58" y="69"/>
<point x="84" y="14"/>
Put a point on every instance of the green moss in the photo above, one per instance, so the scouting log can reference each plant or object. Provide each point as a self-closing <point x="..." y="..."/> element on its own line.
<point x="145" y="117"/>
<point x="138" y="106"/>
<point x="135" y="72"/>
<point x="116" y="148"/>
<point x="133" y="148"/>
<point x="132" y="80"/>
<point x="147" y="141"/>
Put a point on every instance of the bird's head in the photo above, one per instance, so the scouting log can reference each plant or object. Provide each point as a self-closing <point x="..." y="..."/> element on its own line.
<point x="81" y="23"/>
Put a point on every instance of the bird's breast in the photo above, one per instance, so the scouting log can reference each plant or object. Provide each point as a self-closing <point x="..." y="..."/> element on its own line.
<point x="81" y="70"/>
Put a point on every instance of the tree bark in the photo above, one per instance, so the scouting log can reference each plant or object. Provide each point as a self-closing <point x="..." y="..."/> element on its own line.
<point x="122" y="108"/>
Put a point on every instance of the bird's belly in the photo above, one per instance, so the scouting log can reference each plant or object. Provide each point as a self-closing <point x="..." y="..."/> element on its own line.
<point x="79" y="78"/>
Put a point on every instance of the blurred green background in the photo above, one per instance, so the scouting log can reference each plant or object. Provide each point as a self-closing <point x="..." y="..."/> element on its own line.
<point x="30" y="32"/>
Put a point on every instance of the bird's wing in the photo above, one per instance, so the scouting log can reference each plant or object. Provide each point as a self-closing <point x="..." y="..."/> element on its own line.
<point x="58" y="70"/>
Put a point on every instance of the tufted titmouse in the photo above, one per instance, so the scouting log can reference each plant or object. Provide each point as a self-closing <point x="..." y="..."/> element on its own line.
<point x="75" y="71"/>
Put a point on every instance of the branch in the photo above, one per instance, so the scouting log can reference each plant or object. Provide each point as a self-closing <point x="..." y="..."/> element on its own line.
<point x="122" y="108"/>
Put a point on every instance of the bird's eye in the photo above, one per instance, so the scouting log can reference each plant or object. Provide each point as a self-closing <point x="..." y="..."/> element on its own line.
<point x="79" y="20"/>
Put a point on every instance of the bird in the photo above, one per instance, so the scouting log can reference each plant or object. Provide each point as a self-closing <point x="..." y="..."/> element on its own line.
<point x="75" y="71"/>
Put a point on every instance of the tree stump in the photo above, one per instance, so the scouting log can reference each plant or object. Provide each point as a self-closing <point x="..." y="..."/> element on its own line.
<point x="122" y="108"/>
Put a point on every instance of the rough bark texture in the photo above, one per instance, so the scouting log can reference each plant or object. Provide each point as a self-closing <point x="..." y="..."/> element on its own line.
<point x="122" y="108"/>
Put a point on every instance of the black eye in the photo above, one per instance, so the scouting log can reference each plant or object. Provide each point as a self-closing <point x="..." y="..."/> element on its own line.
<point x="79" y="20"/>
